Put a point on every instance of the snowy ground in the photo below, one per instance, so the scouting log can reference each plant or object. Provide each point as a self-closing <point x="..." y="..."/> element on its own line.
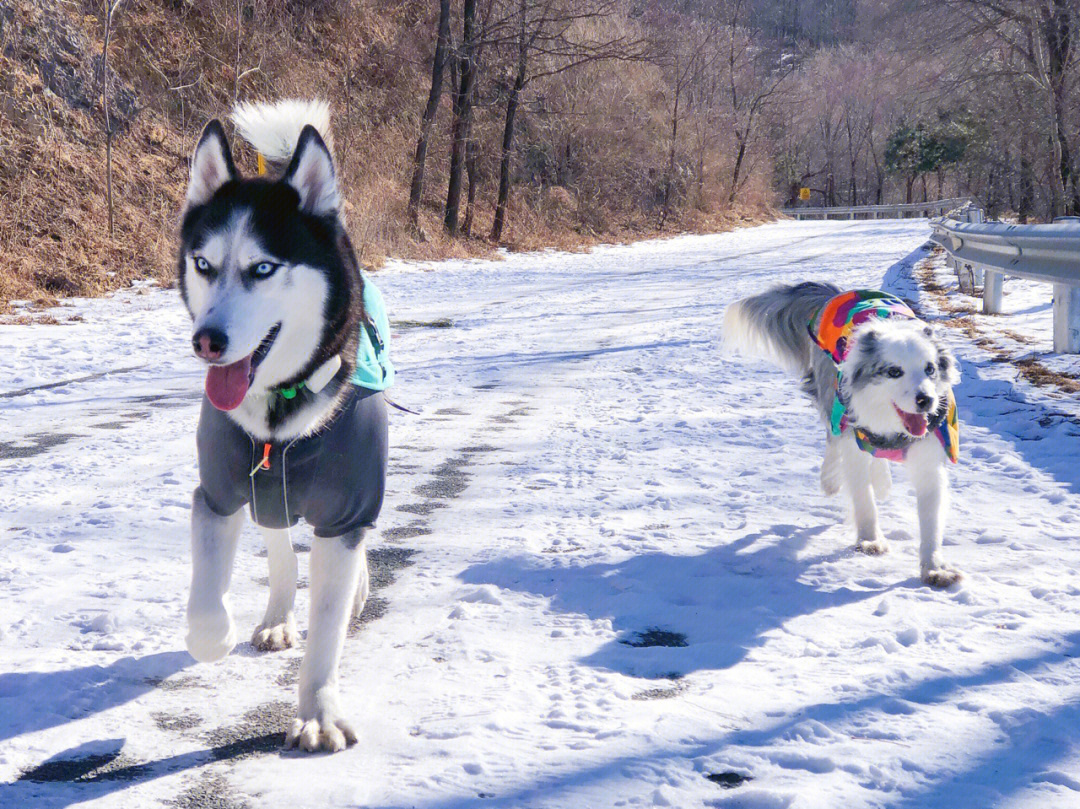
<point x="607" y="576"/>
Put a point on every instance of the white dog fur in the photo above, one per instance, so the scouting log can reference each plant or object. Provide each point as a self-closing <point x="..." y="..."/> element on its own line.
<point x="890" y="364"/>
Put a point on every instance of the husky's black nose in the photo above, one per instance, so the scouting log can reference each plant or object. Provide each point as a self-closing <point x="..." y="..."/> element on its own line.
<point x="923" y="402"/>
<point x="209" y="344"/>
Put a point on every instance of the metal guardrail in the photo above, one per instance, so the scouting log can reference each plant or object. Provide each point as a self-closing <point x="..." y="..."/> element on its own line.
<point x="1049" y="253"/>
<point x="895" y="211"/>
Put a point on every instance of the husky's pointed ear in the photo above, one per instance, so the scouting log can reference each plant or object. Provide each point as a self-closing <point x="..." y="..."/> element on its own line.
<point x="311" y="173"/>
<point x="211" y="165"/>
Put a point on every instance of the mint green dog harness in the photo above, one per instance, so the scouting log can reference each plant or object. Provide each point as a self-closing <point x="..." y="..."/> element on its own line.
<point x="374" y="370"/>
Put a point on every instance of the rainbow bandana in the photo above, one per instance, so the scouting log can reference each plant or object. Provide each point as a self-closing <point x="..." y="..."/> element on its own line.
<point x="831" y="328"/>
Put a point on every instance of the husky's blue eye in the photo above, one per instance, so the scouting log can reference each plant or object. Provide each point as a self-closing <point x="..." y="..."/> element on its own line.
<point x="895" y="373"/>
<point x="930" y="369"/>
<point x="202" y="266"/>
<point x="264" y="269"/>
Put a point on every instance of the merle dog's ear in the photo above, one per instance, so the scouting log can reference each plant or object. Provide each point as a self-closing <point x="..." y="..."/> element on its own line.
<point x="211" y="165"/>
<point x="864" y="356"/>
<point x="311" y="173"/>
<point x="948" y="367"/>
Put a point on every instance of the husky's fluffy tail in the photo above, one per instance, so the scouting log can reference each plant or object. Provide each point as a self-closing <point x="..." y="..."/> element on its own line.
<point x="773" y="325"/>
<point x="273" y="128"/>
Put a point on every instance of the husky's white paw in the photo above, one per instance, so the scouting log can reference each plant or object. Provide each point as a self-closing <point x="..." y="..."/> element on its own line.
<point x="941" y="577"/>
<point x="872" y="547"/>
<point x="327" y="732"/>
<point x="211" y="635"/>
<point x="274" y="637"/>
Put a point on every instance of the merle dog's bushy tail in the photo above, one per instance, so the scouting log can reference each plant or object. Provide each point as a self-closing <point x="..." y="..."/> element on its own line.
<point x="773" y="325"/>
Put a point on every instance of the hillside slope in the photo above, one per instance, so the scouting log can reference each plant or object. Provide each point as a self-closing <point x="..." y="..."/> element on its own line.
<point x="175" y="64"/>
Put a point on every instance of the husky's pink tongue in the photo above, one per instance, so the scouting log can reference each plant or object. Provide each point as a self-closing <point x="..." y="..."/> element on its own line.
<point x="227" y="385"/>
<point x="914" y="423"/>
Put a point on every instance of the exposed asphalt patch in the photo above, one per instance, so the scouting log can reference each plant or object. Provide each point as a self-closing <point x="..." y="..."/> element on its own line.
<point x="384" y="562"/>
<point x="486" y="386"/>
<point x="86" y="769"/>
<point x="438" y="323"/>
<point x="417" y="528"/>
<point x="34" y="444"/>
<point x="656" y="637"/>
<point x="450" y="411"/>
<point x="261" y="730"/>
<point x="449" y="480"/>
<point x="479" y="448"/>
<point x="374" y="609"/>
<point x="178" y="722"/>
<point x="291" y="674"/>
<point x="176" y="683"/>
<point x="210" y="792"/>
<point x="423" y="509"/>
<point x="659" y="693"/>
<point x="728" y="780"/>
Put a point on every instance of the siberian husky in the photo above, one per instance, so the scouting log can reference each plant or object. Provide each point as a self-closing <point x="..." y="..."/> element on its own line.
<point x="882" y="381"/>
<point x="275" y="294"/>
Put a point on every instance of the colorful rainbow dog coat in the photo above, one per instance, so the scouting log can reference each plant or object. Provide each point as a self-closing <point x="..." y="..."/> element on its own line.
<point x="831" y="328"/>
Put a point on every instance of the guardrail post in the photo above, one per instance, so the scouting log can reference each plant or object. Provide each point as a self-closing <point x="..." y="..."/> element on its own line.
<point x="992" y="292"/>
<point x="965" y="278"/>
<point x="1066" y="319"/>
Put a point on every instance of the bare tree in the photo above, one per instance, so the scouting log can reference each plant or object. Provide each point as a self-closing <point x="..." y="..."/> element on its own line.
<point x="1039" y="42"/>
<point x="555" y="32"/>
<point x="464" y="97"/>
<point x="438" y="68"/>
<point x="110" y="14"/>
<point x="754" y="81"/>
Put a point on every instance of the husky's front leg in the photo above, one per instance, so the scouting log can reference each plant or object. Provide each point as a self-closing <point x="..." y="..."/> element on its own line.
<point x="278" y="628"/>
<point x="869" y="538"/>
<point x="926" y="467"/>
<point x="211" y="634"/>
<point x="335" y="570"/>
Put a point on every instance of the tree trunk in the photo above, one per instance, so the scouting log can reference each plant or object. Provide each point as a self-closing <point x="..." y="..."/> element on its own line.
<point x="471" y="149"/>
<point x="1057" y="36"/>
<point x="1027" y="189"/>
<point x="416" y="190"/>
<point x="463" y="116"/>
<point x="735" y="172"/>
<point x="508" y="131"/>
<point x="669" y="175"/>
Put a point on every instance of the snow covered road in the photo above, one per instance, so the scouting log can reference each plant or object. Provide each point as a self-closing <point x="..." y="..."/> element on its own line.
<point x="606" y="574"/>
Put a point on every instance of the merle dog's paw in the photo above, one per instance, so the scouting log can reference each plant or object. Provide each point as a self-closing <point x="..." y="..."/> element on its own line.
<point x="872" y="547"/>
<point x="274" y="637"/>
<point x="941" y="577"/>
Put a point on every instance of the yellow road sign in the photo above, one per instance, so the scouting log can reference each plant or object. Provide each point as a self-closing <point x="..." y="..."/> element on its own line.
<point x="804" y="194"/>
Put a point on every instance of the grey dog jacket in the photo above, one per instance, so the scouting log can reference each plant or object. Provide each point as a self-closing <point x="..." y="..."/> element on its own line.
<point x="335" y="478"/>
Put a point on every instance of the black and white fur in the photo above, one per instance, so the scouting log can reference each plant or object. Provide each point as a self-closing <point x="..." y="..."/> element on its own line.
<point x="299" y="322"/>
<point x="892" y="364"/>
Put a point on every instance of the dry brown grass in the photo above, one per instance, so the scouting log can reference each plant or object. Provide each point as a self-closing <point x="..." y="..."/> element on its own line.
<point x="175" y="68"/>
<point x="1029" y="368"/>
